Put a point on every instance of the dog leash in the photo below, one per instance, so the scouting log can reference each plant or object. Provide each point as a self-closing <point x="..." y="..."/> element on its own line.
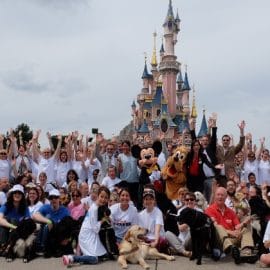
<point x="156" y="264"/>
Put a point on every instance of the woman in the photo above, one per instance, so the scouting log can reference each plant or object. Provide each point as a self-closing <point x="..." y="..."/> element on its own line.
<point x="89" y="241"/>
<point x="123" y="214"/>
<point x="128" y="170"/>
<point x="182" y="242"/>
<point x="33" y="201"/>
<point x="71" y="176"/>
<point x="264" y="169"/>
<point x="63" y="165"/>
<point x="12" y="212"/>
<point x="195" y="160"/>
<point x="42" y="195"/>
<point x="151" y="218"/>
<point x="76" y="207"/>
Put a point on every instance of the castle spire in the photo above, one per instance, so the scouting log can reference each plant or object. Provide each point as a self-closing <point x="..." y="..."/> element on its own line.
<point x="154" y="55"/>
<point x="145" y="74"/>
<point x="193" y="110"/>
<point x="170" y="16"/>
<point x="186" y="82"/>
<point x="203" y="130"/>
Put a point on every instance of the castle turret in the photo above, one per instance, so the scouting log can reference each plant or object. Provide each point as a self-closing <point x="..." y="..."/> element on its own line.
<point x="193" y="109"/>
<point x="169" y="67"/>
<point x="203" y="130"/>
<point x="185" y="97"/>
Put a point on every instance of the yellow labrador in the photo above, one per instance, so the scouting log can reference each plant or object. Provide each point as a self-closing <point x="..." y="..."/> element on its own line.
<point x="132" y="249"/>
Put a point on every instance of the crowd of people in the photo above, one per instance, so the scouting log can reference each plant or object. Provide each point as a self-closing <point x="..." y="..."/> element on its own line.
<point x="94" y="187"/>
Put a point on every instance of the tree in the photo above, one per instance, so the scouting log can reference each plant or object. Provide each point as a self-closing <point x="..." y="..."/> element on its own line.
<point x="25" y="131"/>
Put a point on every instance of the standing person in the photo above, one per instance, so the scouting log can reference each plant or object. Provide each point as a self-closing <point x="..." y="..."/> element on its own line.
<point x="195" y="174"/>
<point x="250" y="166"/>
<point x="45" y="160"/>
<point x="93" y="195"/>
<point x="264" y="168"/>
<point x="230" y="232"/>
<point x="63" y="165"/>
<point x="151" y="218"/>
<point x="12" y="212"/>
<point x="123" y="214"/>
<point x="107" y="158"/>
<point x="209" y="146"/>
<point x="129" y="171"/>
<point x="89" y="241"/>
<point x="225" y="153"/>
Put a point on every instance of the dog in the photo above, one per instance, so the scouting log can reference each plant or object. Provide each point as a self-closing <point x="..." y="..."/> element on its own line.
<point x="21" y="241"/>
<point x="200" y="200"/>
<point x="202" y="232"/>
<point x="133" y="249"/>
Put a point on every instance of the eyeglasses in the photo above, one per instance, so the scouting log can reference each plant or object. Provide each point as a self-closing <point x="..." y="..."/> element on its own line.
<point x="53" y="197"/>
<point x="75" y="196"/>
<point x="46" y="152"/>
<point x="110" y="149"/>
<point x="189" y="199"/>
<point x="3" y="154"/>
<point x="226" y="140"/>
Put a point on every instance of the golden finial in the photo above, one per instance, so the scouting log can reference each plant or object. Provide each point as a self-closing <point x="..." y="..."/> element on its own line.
<point x="193" y="110"/>
<point x="154" y="56"/>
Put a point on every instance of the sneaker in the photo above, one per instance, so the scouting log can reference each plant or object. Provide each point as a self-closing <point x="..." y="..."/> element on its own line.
<point x="67" y="259"/>
<point x="236" y="255"/>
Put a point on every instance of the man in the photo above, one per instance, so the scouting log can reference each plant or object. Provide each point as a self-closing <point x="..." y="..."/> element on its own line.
<point x="231" y="233"/>
<point x="106" y="159"/>
<point x="225" y="153"/>
<point x="49" y="215"/>
<point x="231" y="190"/>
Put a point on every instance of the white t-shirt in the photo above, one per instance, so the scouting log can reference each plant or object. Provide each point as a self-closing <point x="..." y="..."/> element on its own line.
<point x="77" y="166"/>
<point x="109" y="182"/>
<point x="266" y="236"/>
<point x="34" y="208"/>
<point x="87" y="201"/>
<point x="264" y="172"/>
<point x="250" y="167"/>
<point x="62" y="169"/>
<point x="130" y="170"/>
<point x="90" y="169"/>
<point x="5" y="167"/>
<point x="47" y="166"/>
<point x="149" y="220"/>
<point x="123" y="220"/>
<point x="3" y="198"/>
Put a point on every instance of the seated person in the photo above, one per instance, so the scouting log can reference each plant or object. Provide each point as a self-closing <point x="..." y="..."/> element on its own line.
<point x="49" y="215"/>
<point x="231" y="233"/>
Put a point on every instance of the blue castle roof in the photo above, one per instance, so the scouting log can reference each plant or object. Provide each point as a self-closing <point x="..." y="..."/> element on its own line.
<point x="144" y="127"/>
<point x="204" y="129"/>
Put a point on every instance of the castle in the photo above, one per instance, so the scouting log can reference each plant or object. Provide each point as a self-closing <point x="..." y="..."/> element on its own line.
<point x="163" y="104"/>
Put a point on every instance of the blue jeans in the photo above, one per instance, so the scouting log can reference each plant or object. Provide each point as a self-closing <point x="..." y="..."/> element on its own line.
<point x="42" y="238"/>
<point x="85" y="259"/>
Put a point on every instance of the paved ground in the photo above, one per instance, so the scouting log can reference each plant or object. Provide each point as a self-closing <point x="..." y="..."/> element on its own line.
<point x="180" y="263"/>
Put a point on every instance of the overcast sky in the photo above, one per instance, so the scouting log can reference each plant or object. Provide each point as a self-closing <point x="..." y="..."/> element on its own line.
<point x="76" y="64"/>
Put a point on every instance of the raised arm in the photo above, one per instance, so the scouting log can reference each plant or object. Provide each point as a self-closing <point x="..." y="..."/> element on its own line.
<point x="49" y="136"/>
<point x="56" y="154"/>
<point x="240" y="145"/>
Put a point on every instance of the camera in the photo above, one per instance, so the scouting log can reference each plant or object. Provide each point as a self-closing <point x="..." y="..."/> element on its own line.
<point x="94" y="130"/>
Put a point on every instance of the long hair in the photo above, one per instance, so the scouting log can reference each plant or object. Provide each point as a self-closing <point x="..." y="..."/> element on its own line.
<point x="22" y="205"/>
<point x="36" y="200"/>
<point x="75" y="173"/>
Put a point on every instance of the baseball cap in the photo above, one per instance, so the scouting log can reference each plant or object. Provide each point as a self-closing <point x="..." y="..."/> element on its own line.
<point x="54" y="192"/>
<point x="17" y="188"/>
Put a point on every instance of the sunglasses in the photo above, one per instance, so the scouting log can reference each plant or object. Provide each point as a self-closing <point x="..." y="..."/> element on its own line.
<point x="189" y="199"/>
<point x="3" y="154"/>
<point x="75" y="196"/>
<point x="53" y="197"/>
<point x="226" y="140"/>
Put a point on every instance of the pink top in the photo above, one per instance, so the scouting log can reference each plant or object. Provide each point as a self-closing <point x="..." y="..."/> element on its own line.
<point x="76" y="211"/>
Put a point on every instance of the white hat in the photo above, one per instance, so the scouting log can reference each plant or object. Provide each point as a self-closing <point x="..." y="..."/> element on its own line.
<point x="17" y="188"/>
<point x="54" y="192"/>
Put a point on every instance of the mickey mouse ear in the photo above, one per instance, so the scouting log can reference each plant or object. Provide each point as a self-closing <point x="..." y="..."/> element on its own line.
<point x="157" y="146"/>
<point x="136" y="150"/>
